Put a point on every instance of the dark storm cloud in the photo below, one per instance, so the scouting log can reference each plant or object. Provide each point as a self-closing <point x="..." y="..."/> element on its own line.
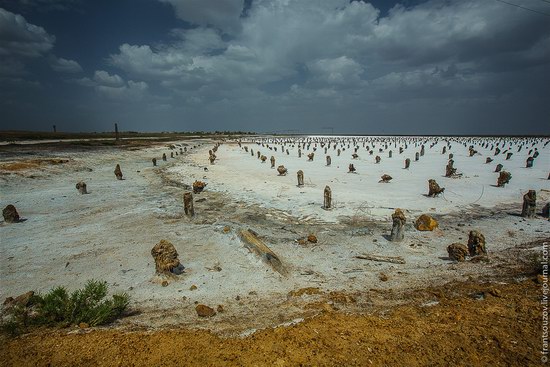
<point x="272" y="65"/>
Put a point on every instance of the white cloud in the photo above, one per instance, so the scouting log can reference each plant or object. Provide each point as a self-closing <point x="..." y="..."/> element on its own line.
<point x="103" y="78"/>
<point x="222" y="14"/>
<point x="342" y="50"/>
<point x="64" y="66"/>
<point x="22" y="39"/>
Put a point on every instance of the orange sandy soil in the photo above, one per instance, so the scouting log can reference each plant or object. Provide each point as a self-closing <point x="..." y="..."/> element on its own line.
<point x="503" y="329"/>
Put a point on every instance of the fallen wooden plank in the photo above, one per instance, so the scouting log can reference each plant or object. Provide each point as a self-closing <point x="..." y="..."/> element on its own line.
<point x="387" y="259"/>
<point x="254" y="244"/>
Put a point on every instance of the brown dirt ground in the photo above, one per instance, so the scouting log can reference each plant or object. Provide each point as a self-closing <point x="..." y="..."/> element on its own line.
<point x="502" y="329"/>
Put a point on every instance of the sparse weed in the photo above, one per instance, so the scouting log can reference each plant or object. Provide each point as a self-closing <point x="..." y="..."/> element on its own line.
<point x="59" y="308"/>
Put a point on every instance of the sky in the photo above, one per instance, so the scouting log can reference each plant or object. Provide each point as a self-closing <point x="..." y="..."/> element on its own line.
<point x="276" y="66"/>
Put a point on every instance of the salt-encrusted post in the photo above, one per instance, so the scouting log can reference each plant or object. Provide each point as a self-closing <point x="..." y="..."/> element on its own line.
<point x="300" y="175"/>
<point x="397" y="229"/>
<point x="188" y="204"/>
<point x="328" y="198"/>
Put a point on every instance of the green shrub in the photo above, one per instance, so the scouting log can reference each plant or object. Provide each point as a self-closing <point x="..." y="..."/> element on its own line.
<point x="59" y="308"/>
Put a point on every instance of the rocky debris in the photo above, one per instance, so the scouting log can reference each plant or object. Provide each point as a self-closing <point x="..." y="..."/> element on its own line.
<point x="434" y="189"/>
<point x="205" y="311"/>
<point x="10" y="214"/>
<point x="81" y="187"/>
<point x="397" y="231"/>
<point x="118" y="172"/>
<point x="198" y="186"/>
<point x="476" y="244"/>
<point x="425" y="223"/>
<point x="312" y="238"/>
<point x="166" y="259"/>
<point x="457" y="252"/>
<point x="529" y="204"/>
<point x="23" y="300"/>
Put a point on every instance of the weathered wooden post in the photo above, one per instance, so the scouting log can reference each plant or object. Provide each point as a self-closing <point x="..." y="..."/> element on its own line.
<point x="10" y="214"/>
<point x="422" y="150"/>
<point x="400" y="150"/>
<point x="449" y="169"/>
<point x="407" y="163"/>
<point x="118" y="172"/>
<point x="116" y="132"/>
<point x="164" y="157"/>
<point x="329" y="161"/>
<point x="188" y="204"/>
<point x="299" y="153"/>
<point x="54" y="128"/>
<point x="476" y="243"/>
<point x="300" y="175"/>
<point x="81" y="187"/>
<point x="509" y="155"/>
<point x="529" y="204"/>
<point x="416" y="156"/>
<point x="154" y="160"/>
<point x="171" y="154"/>
<point x="272" y="162"/>
<point x="503" y="178"/>
<point x="282" y="170"/>
<point x="389" y="154"/>
<point x="444" y="150"/>
<point x="338" y="152"/>
<point x="529" y="162"/>
<point x="397" y="229"/>
<point x="488" y="160"/>
<point x="434" y="189"/>
<point x="498" y="168"/>
<point x="377" y="159"/>
<point x="310" y="156"/>
<point x="327" y="198"/>
<point x="351" y="168"/>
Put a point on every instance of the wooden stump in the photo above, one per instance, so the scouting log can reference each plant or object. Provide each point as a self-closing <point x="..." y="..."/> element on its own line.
<point x="188" y="204"/>
<point x="407" y="163"/>
<point x="397" y="230"/>
<point x="329" y="161"/>
<point x="327" y="198"/>
<point x="81" y="187"/>
<point x="434" y="189"/>
<point x="118" y="172"/>
<point x="529" y="204"/>
<point x="154" y="162"/>
<point x="300" y="175"/>
<point x="10" y="214"/>
<point x="529" y="162"/>
<point x="476" y="244"/>
<point x="272" y="162"/>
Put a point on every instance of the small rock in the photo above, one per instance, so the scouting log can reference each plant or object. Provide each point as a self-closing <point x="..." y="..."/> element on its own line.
<point x="220" y="308"/>
<point x="83" y="325"/>
<point x="193" y="287"/>
<point x="425" y="223"/>
<point x="164" y="283"/>
<point x="205" y="311"/>
<point x="312" y="238"/>
<point x="226" y="229"/>
<point x="383" y="277"/>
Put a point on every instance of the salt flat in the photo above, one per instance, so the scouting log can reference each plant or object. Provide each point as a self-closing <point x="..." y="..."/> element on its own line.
<point x="108" y="234"/>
